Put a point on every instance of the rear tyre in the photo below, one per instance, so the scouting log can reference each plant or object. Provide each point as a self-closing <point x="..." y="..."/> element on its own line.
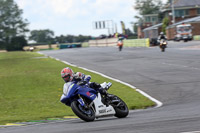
<point x="120" y="107"/>
<point x="86" y="114"/>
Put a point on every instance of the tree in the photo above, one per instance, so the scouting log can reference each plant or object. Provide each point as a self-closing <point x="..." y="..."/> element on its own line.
<point x="11" y="22"/>
<point x="148" y="6"/>
<point x="60" y="39"/>
<point x="128" y="32"/>
<point x="42" y="36"/>
<point x="17" y="43"/>
<point x="71" y="38"/>
<point x="165" y="24"/>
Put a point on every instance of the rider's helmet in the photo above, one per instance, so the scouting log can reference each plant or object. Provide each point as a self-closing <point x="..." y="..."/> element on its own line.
<point x="161" y="33"/>
<point x="67" y="74"/>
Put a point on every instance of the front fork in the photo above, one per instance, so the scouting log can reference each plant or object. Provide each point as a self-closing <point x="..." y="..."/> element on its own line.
<point x="82" y="103"/>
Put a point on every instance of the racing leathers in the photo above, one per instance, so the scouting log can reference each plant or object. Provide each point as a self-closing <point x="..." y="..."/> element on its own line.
<point x="80" y="79"/>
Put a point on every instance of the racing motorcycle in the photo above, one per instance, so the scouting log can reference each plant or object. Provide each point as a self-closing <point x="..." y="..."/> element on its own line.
<point x="163" y="45"/>
<point x="89" y="104"/>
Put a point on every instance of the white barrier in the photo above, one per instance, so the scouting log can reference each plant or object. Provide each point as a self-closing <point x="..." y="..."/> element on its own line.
<point x="103" y="42"/>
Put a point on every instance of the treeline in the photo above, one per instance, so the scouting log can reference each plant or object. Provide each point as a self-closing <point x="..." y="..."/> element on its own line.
<point x="46" y="36"/>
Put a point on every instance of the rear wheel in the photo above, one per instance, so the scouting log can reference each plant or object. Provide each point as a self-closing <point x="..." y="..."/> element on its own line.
<point x="120" y="107"/>
<point x="86" y="114"/>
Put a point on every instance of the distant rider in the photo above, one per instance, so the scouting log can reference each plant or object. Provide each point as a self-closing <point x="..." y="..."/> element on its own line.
<point x="120" y="45"/>
<point x="77" y="78"/>
<point x="162" y="36"/>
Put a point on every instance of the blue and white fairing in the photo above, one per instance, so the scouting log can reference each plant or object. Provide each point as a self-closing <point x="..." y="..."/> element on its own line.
<point x="71" y="90"/>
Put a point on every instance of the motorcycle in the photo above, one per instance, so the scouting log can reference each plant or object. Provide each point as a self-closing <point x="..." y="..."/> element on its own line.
<point x="163" y="45"/>
<point x="89" y="104"/>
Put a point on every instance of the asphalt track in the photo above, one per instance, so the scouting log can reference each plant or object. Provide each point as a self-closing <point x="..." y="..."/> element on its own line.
<point x="172" y="77"/>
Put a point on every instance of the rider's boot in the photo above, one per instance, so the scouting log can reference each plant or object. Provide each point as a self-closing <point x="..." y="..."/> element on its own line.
<point x="103" y="91"/>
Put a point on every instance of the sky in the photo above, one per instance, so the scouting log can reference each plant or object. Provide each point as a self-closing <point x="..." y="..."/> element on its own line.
<point x="77" y="17"/>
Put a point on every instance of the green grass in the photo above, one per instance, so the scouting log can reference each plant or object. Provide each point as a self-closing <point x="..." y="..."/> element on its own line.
<point x="30" y="88"/>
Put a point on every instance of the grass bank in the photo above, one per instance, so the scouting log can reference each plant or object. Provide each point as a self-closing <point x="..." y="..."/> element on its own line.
<point x="31" y="86"/>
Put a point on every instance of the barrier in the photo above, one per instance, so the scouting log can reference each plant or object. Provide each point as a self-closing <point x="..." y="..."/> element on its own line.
<point x="127" y="42"/>
<point x="196" y="37"/>
<point x="103" y="42"/>
<point x="100" y="42"/>
<point x="85" y="44"/>
<point x="75" y="45"/>
<point x="41" y="47"/>
<point x="137" y="43"/>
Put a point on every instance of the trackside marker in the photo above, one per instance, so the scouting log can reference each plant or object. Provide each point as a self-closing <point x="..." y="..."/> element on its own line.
<point x="14" y="124"/>
<point x="192" y="132"/>
<point x="67" y="117"/>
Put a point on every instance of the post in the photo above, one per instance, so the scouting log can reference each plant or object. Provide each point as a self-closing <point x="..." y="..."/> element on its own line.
<point x="173" y="12"/>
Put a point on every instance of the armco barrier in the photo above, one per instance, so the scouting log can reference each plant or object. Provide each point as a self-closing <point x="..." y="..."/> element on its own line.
<point x="76" y="45"/>
<point x="196" y="37"/>
<point x="136" y="43"/>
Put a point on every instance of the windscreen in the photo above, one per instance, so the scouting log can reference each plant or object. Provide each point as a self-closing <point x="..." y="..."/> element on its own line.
<point x="184" y="29"/>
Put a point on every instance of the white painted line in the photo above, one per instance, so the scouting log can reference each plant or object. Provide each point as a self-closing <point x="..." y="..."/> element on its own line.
<point x="192" y="132"/>
<point x="158" y="103"/>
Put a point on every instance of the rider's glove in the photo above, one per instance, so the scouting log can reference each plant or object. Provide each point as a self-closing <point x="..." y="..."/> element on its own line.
<point x="87" y="78"/>
<point x="78" y="76"/>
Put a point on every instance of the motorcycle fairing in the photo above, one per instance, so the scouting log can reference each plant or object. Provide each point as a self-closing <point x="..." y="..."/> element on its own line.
<point x="87" y="92"/>
<point x="73" y="90"/>
<point x="101" y="109"/>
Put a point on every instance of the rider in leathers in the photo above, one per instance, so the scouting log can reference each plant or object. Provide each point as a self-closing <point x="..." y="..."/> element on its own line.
<point x="160" y="37"/>
<point x="78" y="78"/>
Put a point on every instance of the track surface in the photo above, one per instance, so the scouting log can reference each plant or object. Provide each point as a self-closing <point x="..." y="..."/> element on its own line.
<point x="172" y="77"/>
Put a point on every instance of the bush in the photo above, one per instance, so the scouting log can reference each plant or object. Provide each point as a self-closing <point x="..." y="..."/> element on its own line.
<point x="16" y="44"/>
<point x="165" y="24"/>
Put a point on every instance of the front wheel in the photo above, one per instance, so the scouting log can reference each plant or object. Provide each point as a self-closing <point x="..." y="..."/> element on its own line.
<point x="163" y="48"/>
<point x="120" y="107"/>
<point x="86" y="114"/>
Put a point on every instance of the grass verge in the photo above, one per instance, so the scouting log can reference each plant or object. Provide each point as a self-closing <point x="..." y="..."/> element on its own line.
<point x="31" y="86"/>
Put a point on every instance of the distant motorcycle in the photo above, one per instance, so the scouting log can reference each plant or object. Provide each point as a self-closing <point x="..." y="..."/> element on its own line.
<point x="89" y="104"/>
<point x="163" y="45"/>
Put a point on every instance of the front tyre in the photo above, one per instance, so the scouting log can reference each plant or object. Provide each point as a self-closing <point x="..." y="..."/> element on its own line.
<point x="86" y="114"/>
<point x="163" y="48"/>
<point x="120" y="107"/>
